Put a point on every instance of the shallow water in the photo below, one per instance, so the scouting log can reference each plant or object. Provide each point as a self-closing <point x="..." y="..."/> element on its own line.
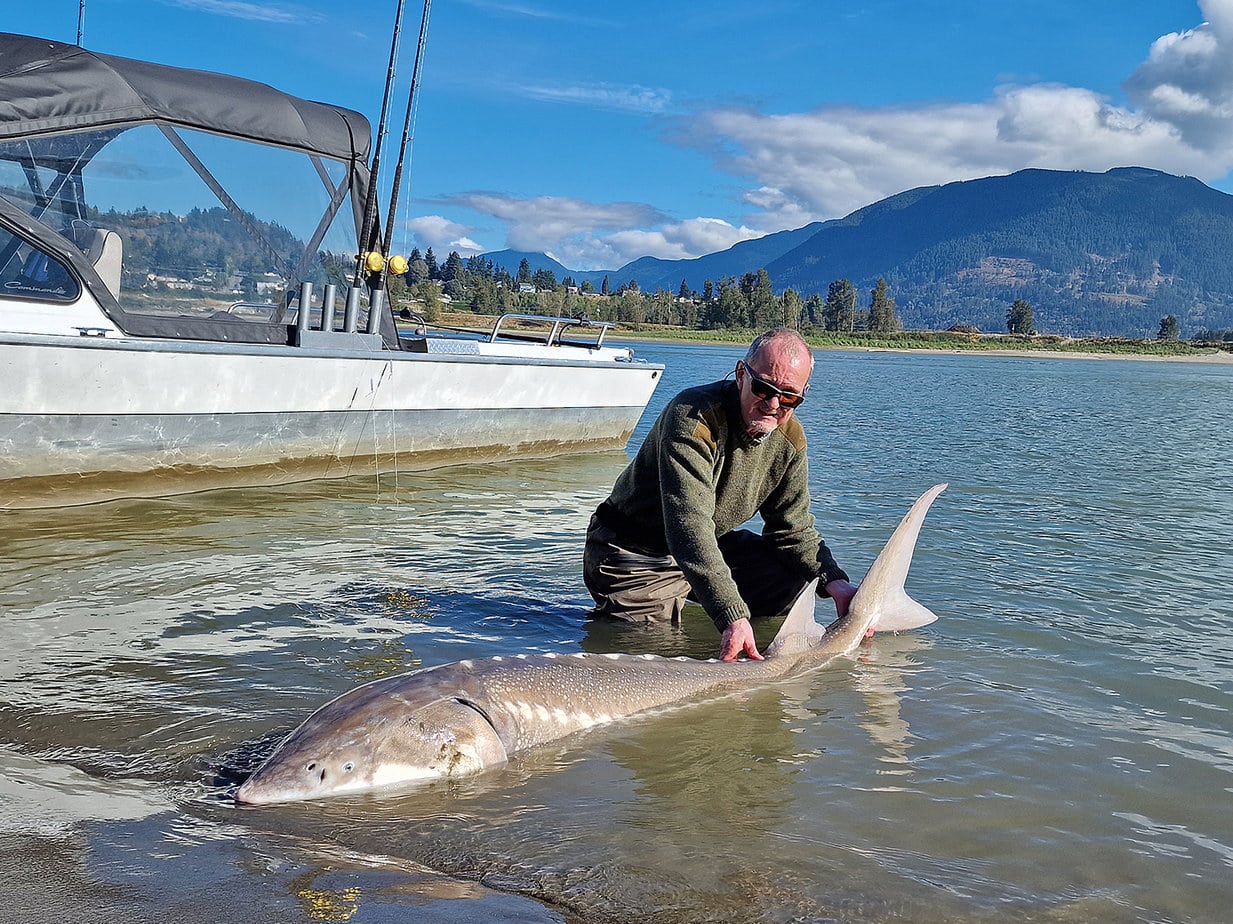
<point x="1059" y="746"/>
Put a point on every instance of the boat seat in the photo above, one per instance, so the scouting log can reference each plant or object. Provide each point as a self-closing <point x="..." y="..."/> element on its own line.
<point x="105" y="251"/>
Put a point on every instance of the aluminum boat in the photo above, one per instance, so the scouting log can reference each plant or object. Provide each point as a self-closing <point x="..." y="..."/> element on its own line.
<point x="178" y="309"/>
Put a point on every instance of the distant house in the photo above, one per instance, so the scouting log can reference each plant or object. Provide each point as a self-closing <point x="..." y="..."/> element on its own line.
<point x="526" y="287"/>
<point x="270" y="284"/>
<point x="169" y="282"/>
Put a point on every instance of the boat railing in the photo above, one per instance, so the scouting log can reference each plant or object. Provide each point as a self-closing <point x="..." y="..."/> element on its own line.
<point x="556" y="332"/>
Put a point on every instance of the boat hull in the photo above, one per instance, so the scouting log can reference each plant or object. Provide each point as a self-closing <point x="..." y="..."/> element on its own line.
<point x="91" y="419"/>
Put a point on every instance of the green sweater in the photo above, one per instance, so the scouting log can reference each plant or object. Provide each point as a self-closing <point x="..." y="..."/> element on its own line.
<point x="698" y="476"/>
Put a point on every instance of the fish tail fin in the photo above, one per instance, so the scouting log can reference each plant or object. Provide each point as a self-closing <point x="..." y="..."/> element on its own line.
<point x="881" y="598"/>
<point x="902" y="614"/>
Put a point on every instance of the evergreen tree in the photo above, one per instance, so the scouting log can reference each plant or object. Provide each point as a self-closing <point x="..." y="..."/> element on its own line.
<point x="792" y="308"/>
<point x="545" y="280"/>
<point x="434" y="271"/>
<point x="812" y="315"/>
<point x="708" y="291"/>
<point x="1169" y="329"/>
<point x="483" y="296"/>
<point x="683" y="291"/>
<point x="453" y="267"/>
<point x="524" y="271"/>
<point x="729" y="308"/>
<point x="882" y="317"/>
<point x="429" y="298"/>
<point x="761" y="310"/>
<point x="603" y="289"/>
<point x="1019" y="318"/>
<point x="417" y="269"/>
<point x="839" y="311"/>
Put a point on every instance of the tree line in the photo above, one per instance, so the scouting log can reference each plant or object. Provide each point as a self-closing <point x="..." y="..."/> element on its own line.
<point x="748" y="301"/>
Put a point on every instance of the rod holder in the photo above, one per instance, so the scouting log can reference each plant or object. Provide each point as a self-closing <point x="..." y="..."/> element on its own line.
<point x="376" y="304"/>
<point x="328" y="294"/>
<point x="351" y="318"/>
<point x="306" y="302"/>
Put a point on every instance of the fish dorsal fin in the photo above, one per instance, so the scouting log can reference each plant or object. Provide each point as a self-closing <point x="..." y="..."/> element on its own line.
<point x="881" y="597"/>
<point x="800" y="629"/>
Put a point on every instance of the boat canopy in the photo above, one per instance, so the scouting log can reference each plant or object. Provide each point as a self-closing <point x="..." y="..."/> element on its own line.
<point x="61" y="109"/>
<point x="49" y="87"/>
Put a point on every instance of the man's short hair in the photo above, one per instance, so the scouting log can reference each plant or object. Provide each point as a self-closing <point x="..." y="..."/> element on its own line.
<point x="784" y="335"/>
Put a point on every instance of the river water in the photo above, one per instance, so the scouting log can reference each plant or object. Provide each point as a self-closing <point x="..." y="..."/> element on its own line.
<point x="1057" y="747"/>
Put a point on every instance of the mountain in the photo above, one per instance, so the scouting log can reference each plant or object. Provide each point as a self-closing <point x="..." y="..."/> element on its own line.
<point x="510" y="260"/>
<point x="1106" y="253"/>
<point x="653" y="273"/>
<point x="1093" y="253"/>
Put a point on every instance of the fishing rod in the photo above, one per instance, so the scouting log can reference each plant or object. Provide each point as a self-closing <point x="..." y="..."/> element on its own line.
<point x="369" y="223"/>
<point x="379" y="282"/>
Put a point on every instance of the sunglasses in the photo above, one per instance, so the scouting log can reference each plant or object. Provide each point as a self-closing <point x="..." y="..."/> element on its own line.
<point x="766" y="391"/>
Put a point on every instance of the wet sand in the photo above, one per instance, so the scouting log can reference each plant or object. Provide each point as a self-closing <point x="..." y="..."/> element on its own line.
<point x="1215" y="357"/>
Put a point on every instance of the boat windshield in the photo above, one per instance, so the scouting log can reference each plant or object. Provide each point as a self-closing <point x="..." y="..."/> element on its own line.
<point x="204" y="226"/>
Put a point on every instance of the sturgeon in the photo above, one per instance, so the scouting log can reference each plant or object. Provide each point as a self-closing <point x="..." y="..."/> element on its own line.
<point x="472" y="715"/>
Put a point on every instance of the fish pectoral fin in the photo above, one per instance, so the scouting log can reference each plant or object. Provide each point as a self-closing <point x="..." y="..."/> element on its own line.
<point x="900" y="614"/>
<point x="459" y="739"/>
<point x="478" y="740"/>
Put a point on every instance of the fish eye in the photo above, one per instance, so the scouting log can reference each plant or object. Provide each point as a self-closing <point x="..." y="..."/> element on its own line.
<point x="348" y="767"/>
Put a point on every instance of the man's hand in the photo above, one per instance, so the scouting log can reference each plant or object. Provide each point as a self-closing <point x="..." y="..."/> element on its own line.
<point x="738" y="639"/>
<point x="842" y="593"/>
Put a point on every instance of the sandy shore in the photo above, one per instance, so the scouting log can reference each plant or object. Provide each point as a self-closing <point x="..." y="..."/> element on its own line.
<point x="1218" y="357"/>
<point x="1214" y="357"/>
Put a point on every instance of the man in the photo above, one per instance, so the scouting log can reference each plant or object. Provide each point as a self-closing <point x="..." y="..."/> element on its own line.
<point x="717" y="455"/>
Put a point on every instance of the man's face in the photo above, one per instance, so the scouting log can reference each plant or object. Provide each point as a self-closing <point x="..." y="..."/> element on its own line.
<point x="781" y="367"/>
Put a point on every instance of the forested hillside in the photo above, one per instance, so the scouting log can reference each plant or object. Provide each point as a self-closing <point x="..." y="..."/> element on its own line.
<point x="1093" y="253"/>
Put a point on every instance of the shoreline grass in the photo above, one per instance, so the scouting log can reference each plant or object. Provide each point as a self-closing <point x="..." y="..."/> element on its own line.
<point x="920" y="341"/>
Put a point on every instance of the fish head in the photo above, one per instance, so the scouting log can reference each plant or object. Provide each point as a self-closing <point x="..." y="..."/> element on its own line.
<point x="382" y="743"/>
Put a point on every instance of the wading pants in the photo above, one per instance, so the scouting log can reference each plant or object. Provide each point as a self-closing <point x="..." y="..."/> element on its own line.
<point x="633" y="586"/>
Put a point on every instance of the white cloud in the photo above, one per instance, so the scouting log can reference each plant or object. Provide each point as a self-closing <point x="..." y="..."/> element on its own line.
<point x="590" y="235"/>
<point x="680" y="240"/>
<point x="539" y="223"/>
<point x="828" y="162"/>
<point x="530" y="11"/>
<point x="644" y="100"/>
<point x="442" y="235"/>
<point x="466" y="247"/>
<point x="1187" y="79"/>
<point x="255" y="12"/>
<point x="834" y="159"/>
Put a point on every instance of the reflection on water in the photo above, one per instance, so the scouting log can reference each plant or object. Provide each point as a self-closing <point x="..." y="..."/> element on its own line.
<point x="1054" y="747"/>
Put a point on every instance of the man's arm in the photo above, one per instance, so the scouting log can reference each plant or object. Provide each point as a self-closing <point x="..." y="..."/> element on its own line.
<point x="789" y="526"/>
<point x="688" y="454"/>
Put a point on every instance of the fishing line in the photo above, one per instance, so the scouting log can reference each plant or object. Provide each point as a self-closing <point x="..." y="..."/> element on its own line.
<point x="406" y="136"/>
<point x="369" y="226"/>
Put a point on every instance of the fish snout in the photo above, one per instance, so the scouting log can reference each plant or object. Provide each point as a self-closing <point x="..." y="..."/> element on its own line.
<point x="293" y="781"/>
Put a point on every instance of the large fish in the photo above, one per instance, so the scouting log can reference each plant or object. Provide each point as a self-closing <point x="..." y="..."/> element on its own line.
<point x="468" y="716"/>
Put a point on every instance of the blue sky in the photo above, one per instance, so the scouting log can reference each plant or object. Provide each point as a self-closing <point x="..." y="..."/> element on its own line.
<point x="601" y="132"/>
